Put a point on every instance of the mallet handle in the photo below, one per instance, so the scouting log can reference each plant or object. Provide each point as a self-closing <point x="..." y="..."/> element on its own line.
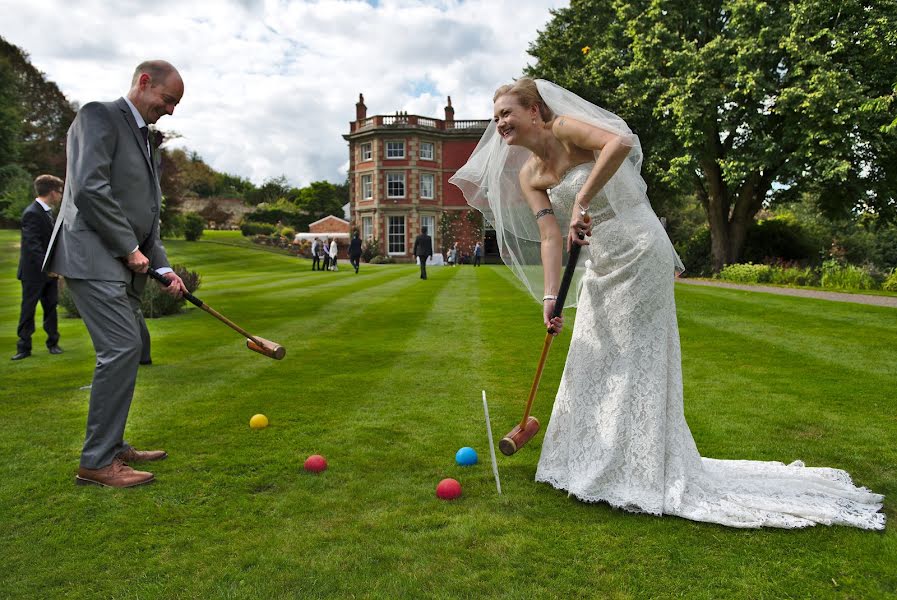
<point x="187" y="295"/>
<point x="199" y="303"/>
<point x="566" y="280"/>
<point x="532" y="391"/>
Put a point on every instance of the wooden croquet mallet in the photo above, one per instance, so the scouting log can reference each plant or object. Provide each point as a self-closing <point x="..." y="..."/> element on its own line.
<point x="253" y="342"/>
<point x="529" y="426"/>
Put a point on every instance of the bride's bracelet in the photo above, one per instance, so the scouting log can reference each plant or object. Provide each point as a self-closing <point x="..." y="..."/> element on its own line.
<point x="548" y="297"/>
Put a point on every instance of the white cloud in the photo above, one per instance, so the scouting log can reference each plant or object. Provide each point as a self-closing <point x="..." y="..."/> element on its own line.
<point x="271" y="86"/>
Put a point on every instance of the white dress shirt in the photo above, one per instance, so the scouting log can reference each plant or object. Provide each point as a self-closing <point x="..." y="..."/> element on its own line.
<point x="142" y="123"/>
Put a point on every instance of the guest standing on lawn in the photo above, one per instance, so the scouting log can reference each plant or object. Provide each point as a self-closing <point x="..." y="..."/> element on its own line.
<point x="355" y="251"/>
<point x="423" y="250"/>
<point x="37" y="286"/>
<point x="334" y="250"/>
<point x="105" y="239"/>
<point x="315" y="254"/>
<point x="325" y="248"/>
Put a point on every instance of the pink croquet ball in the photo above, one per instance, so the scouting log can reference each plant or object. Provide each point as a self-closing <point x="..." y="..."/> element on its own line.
<point x="448" y="489"/>
<point x="315" y="463"/>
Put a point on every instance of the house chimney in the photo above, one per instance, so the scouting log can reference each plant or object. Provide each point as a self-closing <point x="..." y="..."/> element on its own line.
<point x="449" y="112"/>
<point x="361" y="111"/>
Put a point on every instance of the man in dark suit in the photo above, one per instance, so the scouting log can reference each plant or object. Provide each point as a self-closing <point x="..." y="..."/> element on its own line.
<point x="37" y="286"/>
<point x="326" y="247"/>
<point x="423" y="249"/>
<point x="355" y="251"/>
<point x="105" y="239"/>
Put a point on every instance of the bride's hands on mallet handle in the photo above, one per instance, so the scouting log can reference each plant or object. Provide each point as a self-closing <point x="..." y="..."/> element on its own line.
<point x="580" y="226"/>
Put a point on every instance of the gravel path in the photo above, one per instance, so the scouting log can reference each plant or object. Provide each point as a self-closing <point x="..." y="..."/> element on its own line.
<point x="889" y="301"/>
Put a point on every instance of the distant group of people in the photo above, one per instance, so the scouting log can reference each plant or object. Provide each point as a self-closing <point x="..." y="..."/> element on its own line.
<point x="324" y="254"/>
<point x="455" y="257"/>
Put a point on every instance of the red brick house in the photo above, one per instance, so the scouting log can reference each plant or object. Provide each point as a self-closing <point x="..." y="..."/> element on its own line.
<point x="332" y="228"/>
<point x="399" y="167"/>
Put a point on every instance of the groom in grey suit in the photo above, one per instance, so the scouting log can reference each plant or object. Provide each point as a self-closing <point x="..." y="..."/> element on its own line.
<point x="105" y="239"/>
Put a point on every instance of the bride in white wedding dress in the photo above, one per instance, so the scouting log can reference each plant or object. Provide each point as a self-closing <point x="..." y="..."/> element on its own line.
<point x="617" y="432"/>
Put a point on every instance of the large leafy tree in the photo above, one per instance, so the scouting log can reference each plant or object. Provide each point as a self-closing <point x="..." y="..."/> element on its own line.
<point x="322" y="198"/>
<point x="45" y="112"/>
<point x="271" y="190"/>
<point x="15" y="182"/>
<point x="10" y="116"/>
<point x="742" y="102"/>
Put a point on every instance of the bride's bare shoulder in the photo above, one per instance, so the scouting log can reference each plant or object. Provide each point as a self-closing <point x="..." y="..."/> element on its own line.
<point x="562" y="123"/>
<point x="533" y="174"/>
<point x="574" y="133"/>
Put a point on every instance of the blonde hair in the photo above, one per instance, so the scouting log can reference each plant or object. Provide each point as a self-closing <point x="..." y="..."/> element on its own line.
<point x="527" y="95"/>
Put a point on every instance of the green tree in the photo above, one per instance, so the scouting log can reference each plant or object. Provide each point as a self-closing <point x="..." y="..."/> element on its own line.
<point x="742" y="102"/>
<point x="16" y="193"/>
<point x="194" y="225"/>
<point x="270" y="191"/>
<point x="232" y="185"/>
<point x="14" y="180"/>
<point x="45" y="111"/>
<point x="322" y="198"/>
<point x="10" y="116"/>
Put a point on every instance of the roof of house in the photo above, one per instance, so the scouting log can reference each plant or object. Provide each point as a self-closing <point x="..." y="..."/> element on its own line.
<point x="328" y="217"/>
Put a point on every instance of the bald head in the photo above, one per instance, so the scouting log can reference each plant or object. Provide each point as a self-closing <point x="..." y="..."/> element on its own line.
<point x="158" y="70"/>
<point x="156" y="88"/>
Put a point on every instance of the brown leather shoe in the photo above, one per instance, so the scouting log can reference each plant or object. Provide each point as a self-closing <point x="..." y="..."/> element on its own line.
<point x="117" y="474"/>
<point x="132" y="455"/>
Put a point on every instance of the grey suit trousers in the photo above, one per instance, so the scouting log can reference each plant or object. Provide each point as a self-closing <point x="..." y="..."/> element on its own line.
<point x="111" y="312"/>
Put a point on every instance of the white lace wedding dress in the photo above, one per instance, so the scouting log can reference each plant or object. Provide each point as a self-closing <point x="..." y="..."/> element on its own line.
<point x="618" y="433"/>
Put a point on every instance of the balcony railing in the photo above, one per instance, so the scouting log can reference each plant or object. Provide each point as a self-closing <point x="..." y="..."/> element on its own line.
<point x="402" y="120"/>
<point x="469" y="124"/>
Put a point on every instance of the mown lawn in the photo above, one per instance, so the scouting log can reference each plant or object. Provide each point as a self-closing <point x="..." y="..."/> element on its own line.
<point x="383" y="376"/>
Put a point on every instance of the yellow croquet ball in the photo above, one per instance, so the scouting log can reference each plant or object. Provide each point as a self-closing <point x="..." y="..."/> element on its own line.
<point x="258" y="421"/>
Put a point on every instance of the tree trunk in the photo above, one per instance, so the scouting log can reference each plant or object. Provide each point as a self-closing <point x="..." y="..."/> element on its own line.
<point x="749" y="203"/>
<point x="741" y="219"/>
<point x="719" y="238"/>
<point x="716" y="206"/>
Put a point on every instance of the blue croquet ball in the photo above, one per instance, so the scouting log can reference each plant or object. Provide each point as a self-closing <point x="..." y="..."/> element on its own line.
<point x="466" y="456"/>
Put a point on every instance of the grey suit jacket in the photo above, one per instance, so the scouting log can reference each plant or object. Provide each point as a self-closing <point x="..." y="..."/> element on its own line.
<point x="111" y="200"/>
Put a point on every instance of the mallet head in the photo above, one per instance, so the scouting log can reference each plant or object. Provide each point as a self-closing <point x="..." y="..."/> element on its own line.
<point x="266" y="347"/>
<point x="519" y="436"/>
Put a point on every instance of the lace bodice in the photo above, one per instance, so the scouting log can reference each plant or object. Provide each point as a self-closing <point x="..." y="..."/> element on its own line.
<point x="563" y="195"/>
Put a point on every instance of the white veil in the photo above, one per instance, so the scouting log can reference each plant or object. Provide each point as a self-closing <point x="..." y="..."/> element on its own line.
<point x="489" y="182"/>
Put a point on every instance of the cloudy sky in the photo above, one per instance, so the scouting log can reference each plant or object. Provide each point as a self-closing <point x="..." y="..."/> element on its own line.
<point x="271" y="85"/>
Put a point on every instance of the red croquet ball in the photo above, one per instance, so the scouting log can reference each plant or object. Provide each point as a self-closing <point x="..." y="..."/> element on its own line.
<point x="448" y="489"/>
<point x="315" y="463"/>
